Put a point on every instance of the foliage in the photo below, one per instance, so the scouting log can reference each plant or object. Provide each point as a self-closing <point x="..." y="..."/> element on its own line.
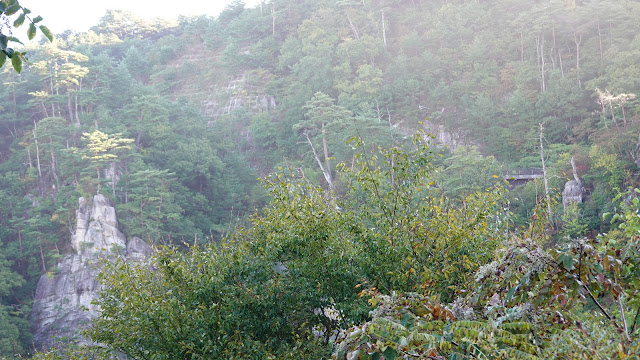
<point x="12" y="322"/>
<point x="102" y="148"/>
<point x="575" y="301"/>
<point x="214" y="301"/>
<point x="290" y="281"/>
<point x="9" y="9"/>
<point x="213" y="103"/>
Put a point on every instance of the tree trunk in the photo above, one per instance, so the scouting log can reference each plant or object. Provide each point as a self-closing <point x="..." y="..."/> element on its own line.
<point x="542" y="63"/>
<point x="353" y="28"/>
<point x="577" y="40"/>
<point x="384" y="30"/>
<point x="273" y="18"/>
<point x="544" y="174"/>
<point x="325" y="172"/>
<point x="29" y="158"/>
<point x="552" y="54"/>
<point x="53" y="169"/>
<point x="44" y="109"/>
<point x="35" y="140"/>
<point x="76" y="95"/>
<point x="613" y="115"/>
<point x="325" y="148"/>
<point x="600" y="41"/>
<point x="44" y="265"/>
<point x="69" y="108"/>
<point x="560" y="61"/>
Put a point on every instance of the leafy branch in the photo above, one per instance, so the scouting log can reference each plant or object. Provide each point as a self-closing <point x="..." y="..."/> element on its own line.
<point x="8" y="9"/>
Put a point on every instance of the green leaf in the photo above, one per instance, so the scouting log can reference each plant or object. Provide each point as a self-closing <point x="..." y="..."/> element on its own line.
<point x="45" y="30"/>
<point x="567" y="261"/>
<point x="37" y="19"/>
<point x="31" y="33"/>
<point x="3" y="58"/>
<point x="26" y="11"/>
<point x="510" y="293"/>
<point x="19" y="21"/>
<point x="3" y="41"/>
<point x="16" y="61"/>
<point x="3" y="7"/>
<point x="12" y="9"/>
<point x="389" y="354"/>
<point x="9" y="52"/>
<point x="15" y="39"/>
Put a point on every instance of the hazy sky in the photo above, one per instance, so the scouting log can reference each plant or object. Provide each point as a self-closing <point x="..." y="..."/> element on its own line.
<point x="80" y="15"/>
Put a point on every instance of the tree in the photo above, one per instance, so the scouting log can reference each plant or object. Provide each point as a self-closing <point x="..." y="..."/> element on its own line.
<point x="149" y="210"/>
<point x="8" y="10"/>
<point x="58" y="73"/>
<point x="320" y="112"/>
<point x="10" y="317"/>
<point x="102" y="148"/>
<point x="125" y="24"/>
<point x="577" y="300"/>
<point x="467" y="171"/>
<point x="300" y="266"/>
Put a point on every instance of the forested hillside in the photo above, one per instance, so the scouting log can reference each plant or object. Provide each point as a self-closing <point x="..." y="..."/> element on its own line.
<point x="175" y="122"/>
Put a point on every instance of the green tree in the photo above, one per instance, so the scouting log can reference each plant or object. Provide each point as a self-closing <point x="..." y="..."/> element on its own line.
<point x="321" y="112"/>
<point x="11" y="317"/>
<point x="467" y="171"/>
<point x="102" y="148"/>
<point x="149" y="210"/>
<point x="572" y="301"/>
<point x="300" y="267"/>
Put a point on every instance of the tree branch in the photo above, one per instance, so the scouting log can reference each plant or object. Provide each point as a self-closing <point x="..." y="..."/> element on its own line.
<point x="327" y="176"/>
<point x="635" y="321"/>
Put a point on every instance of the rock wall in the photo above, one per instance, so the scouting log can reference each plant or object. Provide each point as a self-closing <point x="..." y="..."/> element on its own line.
<point x="571" y="194"/>
<point x="62" y="305"/>
<point x="443" y="136"/>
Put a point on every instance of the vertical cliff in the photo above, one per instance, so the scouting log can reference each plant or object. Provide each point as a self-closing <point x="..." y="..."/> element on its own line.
<point x="62" y="305"/>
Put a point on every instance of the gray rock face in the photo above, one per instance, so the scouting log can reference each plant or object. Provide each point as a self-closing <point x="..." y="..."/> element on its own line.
<point x="572" y="193"/>
<point x="138" y="249"/>
<point x="62" y="305"/>
<point x="97" y="228"/>
<point x="446" y="137"/>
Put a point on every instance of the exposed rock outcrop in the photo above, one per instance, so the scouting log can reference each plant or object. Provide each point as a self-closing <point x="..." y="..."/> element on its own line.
<point x="62" y="305"/>
<point x="573" y="189"/>
<point x="443" y="136"/>
<point x="572" y="193"/>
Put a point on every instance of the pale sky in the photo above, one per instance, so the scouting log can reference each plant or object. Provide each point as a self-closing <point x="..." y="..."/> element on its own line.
<point x="80" y="15"/>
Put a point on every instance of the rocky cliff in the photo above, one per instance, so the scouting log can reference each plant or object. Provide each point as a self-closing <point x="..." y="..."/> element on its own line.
<point x="62" y="305"/>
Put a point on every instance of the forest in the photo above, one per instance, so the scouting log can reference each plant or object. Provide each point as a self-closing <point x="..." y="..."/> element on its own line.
<point x="333" y="179"/>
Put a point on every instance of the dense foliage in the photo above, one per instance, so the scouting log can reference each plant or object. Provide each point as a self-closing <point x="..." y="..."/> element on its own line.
<point x="288" y="283"/>
<point x="407" y="267"/>
<point x="175" y="121"/>
<point x="576" y="301"/>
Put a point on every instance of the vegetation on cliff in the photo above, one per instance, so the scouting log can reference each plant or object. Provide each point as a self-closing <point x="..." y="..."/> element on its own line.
<point x="204" y="107"/>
